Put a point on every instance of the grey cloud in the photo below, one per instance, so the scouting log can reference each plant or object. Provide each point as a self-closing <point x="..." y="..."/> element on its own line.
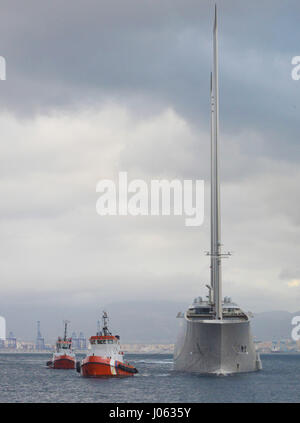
<point x="159" y="52"/>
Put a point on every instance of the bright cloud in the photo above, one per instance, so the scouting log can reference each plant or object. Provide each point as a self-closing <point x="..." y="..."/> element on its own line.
<point x="294" y="283"/>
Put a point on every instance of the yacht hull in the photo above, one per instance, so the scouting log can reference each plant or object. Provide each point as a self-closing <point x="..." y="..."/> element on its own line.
<point x="217" y="347"/>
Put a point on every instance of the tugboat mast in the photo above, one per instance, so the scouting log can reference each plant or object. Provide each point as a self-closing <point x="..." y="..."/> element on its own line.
<point x="66" y="329"/>
<point x="106" y="332"/>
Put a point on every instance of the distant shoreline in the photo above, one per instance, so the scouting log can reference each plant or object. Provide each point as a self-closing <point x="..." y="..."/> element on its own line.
<point x="132" y="352"/>
<point x="84" y="352"/>
<point x="134" y="348"/>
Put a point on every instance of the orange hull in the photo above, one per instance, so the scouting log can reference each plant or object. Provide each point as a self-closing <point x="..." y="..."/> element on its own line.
<point x="63" y="362"/>
<point x="95" y="366"/>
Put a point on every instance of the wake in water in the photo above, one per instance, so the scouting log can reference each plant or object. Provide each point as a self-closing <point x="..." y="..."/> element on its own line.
<point x="154" y="361"/>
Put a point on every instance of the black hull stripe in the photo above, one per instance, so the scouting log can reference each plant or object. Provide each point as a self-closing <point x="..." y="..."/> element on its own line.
<point x="95" y="362"/>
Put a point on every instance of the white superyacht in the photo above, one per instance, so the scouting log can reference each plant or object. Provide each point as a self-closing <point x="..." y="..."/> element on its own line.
<point x="215" y="335"/>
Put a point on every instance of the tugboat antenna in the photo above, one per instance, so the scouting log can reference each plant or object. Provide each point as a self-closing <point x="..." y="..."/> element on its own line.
<point x="105" y="324"/>
<point x="66" y="329"/>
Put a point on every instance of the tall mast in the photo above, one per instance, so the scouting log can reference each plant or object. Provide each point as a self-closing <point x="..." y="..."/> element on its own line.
<point x="212" y="262"/>
<point x="66" y="329"/>
<point x="105" y="324"/>
<point x="216" y="275"/>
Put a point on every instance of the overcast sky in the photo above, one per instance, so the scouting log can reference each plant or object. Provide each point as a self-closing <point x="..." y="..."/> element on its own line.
<point x="96" y="87"/>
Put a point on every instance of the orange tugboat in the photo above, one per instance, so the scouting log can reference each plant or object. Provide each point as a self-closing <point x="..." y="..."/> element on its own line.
<point x="105" y="358"/>
<point x="63" y="357"/>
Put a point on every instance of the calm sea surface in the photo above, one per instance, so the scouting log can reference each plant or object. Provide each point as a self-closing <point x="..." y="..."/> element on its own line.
<point x="25" y="378"/>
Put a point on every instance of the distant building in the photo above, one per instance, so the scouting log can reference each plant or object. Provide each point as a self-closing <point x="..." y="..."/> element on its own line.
<point x="75" y="341"/>
<point x="27" y="346"/>
<point x="11" y="341"/>
<point x="40" y="342"/>
<point x="79" y="342"/>
<point x="82" y="341"/>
